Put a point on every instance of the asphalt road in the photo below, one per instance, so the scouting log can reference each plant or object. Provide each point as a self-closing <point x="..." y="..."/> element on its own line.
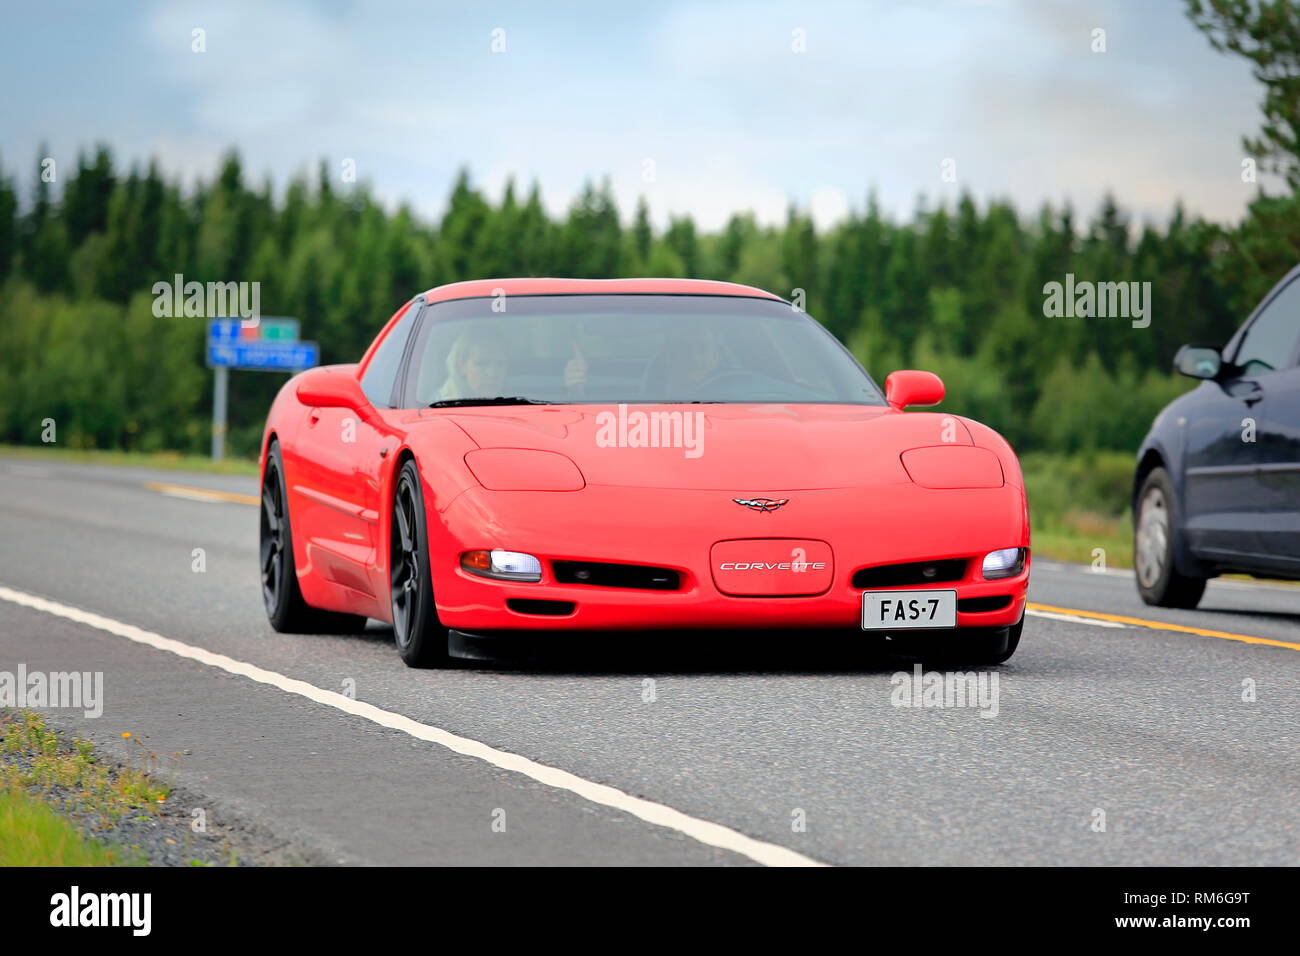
<point x="789" y="748"/>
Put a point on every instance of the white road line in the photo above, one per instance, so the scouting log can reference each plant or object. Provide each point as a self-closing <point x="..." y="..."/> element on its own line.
<point x="712" y="834"/>
<point x="1074" y="618"/>
<point x="1041" y="564"/>
<point x="1128" y="574"/>
<point x="1083" y="569"/>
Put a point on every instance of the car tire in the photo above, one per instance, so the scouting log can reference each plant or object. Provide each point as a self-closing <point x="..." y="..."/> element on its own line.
<point x="1158" y="580"/>
<point x="285" y="607"/>
<point x="421" y="639"/>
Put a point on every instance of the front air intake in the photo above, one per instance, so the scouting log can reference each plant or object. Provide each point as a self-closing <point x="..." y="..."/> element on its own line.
<point x="538" y="606"/>
<point x="977" y="604"/>
<point x="601" y="575"/>
<point x="917" y="572"/>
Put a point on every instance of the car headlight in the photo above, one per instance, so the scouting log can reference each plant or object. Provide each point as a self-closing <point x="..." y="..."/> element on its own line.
<point x="502" y="565"/>
<point x="1004" y="563"/>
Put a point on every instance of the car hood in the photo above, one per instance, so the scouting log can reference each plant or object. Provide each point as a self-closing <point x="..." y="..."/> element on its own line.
<point x="741" y="448"/>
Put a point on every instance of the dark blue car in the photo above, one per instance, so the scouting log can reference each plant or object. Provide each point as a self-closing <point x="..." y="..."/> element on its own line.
<point x="1218" y="479"/>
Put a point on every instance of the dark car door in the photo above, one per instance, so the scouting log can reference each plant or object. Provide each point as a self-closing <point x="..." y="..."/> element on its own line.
<point x="1243" y="451"/>
<point x="1276" y="489"/>
<point x="1279" y="470"/>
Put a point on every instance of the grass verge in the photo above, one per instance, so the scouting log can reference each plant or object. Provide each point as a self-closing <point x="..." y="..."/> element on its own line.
<point x="33" y="834"/>
<point x="54" y="792"/>
<point x="37" y="761"/>
<point x="1079" y="504"/>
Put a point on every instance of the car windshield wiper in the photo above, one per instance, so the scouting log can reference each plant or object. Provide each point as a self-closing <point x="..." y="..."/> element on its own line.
<point x="494" y="400"/>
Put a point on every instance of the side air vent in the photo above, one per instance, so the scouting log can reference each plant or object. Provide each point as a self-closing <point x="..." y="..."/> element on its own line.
<point x="919" y="572"/>
<point x="616" y="575"/>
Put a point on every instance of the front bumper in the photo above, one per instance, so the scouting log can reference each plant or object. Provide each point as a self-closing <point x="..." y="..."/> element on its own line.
<point x="674" y="529"/>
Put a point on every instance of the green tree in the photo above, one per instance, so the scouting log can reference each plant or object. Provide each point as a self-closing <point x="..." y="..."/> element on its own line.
<point x="1267" y="33"/>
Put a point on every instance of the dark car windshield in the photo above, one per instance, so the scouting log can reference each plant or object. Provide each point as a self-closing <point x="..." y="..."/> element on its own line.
<point x="629" y="348"/>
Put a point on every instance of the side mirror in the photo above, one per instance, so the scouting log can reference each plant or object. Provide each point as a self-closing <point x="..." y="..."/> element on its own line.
<point x="332" y="386"/>
<point x="1198" y="361"/>
<point x="911" y="387"/>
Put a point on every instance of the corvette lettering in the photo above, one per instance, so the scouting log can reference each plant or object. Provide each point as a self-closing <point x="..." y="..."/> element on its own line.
<point x="772" y="566"/>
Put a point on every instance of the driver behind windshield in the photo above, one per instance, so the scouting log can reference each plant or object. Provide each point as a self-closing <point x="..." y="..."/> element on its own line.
<point x="476" y="366"/>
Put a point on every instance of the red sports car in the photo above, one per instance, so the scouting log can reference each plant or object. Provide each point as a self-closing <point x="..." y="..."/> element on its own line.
<point x="524" y="456"/>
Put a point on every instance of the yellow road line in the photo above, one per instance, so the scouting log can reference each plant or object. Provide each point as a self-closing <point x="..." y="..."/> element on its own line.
<point x="201" y="494"/>
<point x="1165" y="626"/>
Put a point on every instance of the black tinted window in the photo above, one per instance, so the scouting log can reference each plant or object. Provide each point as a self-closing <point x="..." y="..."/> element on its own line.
<point x="1271" y="338"/>
<point x="381" y="373"/>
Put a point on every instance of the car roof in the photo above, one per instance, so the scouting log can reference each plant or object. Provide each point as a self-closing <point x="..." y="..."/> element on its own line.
<point x="488" y="287"/>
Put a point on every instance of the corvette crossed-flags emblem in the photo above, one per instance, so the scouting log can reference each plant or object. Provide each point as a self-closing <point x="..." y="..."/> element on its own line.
<point x="761" y="504"/>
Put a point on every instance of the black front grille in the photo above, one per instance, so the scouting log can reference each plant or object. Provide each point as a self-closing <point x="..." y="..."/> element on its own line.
<point x="536" y="606"/>
<point x="974" y="605"/>
<point x="918" y="572"/>
<point x="616" y="575"/>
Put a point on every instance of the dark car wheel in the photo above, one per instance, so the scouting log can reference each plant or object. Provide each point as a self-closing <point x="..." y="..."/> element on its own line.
<point x="285" y="608"/>
<point x="421" y="639"/>
<point x="1158" y="580"/>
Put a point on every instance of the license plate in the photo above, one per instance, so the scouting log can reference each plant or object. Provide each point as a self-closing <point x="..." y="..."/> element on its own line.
<point x="895" y="610"/>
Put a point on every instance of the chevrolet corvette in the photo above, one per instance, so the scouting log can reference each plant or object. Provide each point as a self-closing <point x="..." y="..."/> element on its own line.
<point x="531" y="457"/>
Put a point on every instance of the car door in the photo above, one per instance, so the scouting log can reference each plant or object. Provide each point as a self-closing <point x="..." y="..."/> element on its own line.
<point x="1279" y="471"/>
<point x="343" y="456"/>
<point x="1219" y="476"/>
<point x="1240" y="482"/>
<point x="1275" y="495"/>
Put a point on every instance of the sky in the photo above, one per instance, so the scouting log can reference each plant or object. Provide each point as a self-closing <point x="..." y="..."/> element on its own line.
<point x="707" y="108"/>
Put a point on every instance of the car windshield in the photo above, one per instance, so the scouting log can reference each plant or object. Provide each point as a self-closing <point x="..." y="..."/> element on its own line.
<point x="628" y="348"/>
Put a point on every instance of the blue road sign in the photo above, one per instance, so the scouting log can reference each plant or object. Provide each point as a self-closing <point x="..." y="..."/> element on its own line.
<point x="271" y="345"/>
<point x="267" y="356"/>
